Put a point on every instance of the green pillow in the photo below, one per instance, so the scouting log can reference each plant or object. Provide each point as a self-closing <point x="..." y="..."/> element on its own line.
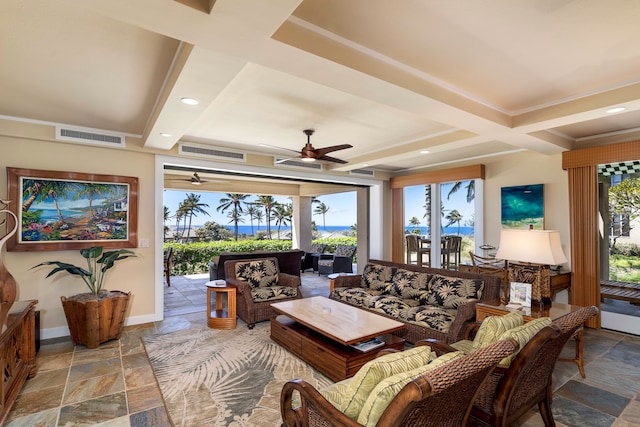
<point x="494" y="326"/>
<point x="388" y="388"/>
<point x="523" y="334"/>
<point x="378" y="369"/>
<point x="463" y="345"/>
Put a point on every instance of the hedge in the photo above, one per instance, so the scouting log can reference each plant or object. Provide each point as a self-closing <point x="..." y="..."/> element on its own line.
<point x="194" y="258"/>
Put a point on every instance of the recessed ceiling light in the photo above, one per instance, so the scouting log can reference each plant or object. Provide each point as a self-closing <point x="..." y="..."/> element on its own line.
<point x="166" y="135"/>
<point x="365" y="164"/>
<point x="189" y="101"/>
<point x="615" y="110"/>
<point x="424" y="152"/>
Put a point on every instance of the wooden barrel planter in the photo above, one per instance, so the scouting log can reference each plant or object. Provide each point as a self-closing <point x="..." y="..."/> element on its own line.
<point x="94" y="319"/>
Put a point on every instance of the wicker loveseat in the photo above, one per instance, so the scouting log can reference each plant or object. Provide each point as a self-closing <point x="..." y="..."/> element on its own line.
<point x="433" y="303"/>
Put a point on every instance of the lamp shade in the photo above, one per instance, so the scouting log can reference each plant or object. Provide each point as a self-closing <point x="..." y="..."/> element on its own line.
<point x="534" y="246"/>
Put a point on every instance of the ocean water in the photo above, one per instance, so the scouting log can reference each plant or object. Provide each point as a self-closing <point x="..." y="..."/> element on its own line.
<point x="246" y="229"/>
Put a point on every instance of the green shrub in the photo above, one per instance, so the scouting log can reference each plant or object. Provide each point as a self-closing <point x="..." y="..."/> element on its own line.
<point x="194" y="258"/>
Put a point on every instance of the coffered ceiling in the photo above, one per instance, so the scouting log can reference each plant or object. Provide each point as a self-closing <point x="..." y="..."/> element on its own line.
<point x="460" y="79"/>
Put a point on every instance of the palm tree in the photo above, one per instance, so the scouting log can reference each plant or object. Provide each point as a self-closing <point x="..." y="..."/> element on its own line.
<point x="235" y="201"/>
<point x="180" y="213"/>
<point x="267" y="203"/>
<point x="471" y="189"/>
<point x="192" y="207"/>
<point x="427" y="207"/>
<point x="282" y="214"/>
<point x="322" y="209"/>
<point x="454" y="216"/>
<point x="167" y="215"/>
<point x="251" y="212"/>
<point x="415" y="223"/>
<point x="258" y="216"/>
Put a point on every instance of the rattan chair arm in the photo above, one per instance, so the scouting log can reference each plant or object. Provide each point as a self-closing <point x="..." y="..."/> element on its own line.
<point x="348" y="281"/>
<point x="285" y="279"/>
<point x="309" y="396"/>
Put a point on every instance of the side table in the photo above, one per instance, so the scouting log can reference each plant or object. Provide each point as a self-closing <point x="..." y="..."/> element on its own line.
<point x="223" y="316"/>
<point x="553" y="311"/>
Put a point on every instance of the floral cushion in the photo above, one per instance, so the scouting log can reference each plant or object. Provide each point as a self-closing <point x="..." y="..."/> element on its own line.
<point x="385" y="391"/>
<point x="273" y="293"/>
<point x="389" y="304"/>
<point x="348" y="251"/>
<point x="354" y="296"/>
<point x="433" y="317"/>
<point x="317" y="248"/>
<point x="377" y="277"/>
<point x="261" y="273"/>
<point x="450" y="292"/>
<point x="409" y="284"/>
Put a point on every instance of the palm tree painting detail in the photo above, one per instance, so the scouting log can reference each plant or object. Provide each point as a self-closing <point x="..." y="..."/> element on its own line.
<point x="64" y="210"/>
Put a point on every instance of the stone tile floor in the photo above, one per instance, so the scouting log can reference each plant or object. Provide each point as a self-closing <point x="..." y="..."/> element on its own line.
<point x="114" y="385"/>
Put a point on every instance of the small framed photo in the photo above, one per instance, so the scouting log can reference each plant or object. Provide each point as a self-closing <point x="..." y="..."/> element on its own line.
<point x="520" y="293"/>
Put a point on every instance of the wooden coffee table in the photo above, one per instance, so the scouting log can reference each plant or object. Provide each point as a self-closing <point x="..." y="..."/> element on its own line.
<point x="320" y="331"/>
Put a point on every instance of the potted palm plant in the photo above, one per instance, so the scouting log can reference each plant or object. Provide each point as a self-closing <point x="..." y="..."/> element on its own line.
<point x="96" y="316"/>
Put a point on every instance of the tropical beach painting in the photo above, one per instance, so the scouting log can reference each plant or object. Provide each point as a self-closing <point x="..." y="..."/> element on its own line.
<point x="523" y="207"/>
<point x="60" y="210"/>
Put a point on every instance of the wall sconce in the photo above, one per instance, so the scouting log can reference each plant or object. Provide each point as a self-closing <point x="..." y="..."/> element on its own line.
<point x="530" y="254"/>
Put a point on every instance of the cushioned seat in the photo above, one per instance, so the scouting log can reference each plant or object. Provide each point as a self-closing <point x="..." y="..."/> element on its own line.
<point x="339" y="262"/>
<point x="259" y="283"/>
<point x="409" y="388"/>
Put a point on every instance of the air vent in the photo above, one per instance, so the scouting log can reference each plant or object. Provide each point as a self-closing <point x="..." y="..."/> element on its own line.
<point x="362" y="172"/>
<point x="278" y="162"/>
<point x="89" y="136"/>
<point x="210" y="152"/>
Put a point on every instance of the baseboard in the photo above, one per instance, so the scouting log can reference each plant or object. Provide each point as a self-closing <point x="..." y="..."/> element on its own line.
<point x="63" y="331"/>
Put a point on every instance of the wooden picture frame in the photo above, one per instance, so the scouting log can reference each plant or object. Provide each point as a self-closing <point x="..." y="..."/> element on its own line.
<point x="71" y="210"/>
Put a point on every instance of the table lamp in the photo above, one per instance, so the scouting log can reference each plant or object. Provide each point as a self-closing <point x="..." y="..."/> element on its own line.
<point x="530" y="254"/>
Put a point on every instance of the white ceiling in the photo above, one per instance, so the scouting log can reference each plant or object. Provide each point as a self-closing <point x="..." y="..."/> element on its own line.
<point x="462" y="79"/>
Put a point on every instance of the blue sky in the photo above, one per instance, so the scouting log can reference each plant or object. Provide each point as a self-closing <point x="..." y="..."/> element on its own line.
<point x="414" y="203"/>
<point x="341" y="207"/>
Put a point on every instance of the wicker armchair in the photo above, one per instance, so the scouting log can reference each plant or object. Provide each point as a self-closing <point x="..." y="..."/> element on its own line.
<point x="253" y="300"/>
<point x="441" y="397"/>
<point x="510" y="392"/>
<point x="339" y="262"/>
<point x="308" y="258"/>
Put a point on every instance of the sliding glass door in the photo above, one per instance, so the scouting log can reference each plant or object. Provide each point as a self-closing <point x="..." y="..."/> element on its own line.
<point x="619" y="206"/>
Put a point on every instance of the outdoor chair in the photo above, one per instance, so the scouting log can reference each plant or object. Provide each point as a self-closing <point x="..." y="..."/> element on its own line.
<point x="259" y="283"/>
<point x="492" y="267"/>
<point x="451" y="249"/>
<point x="414" y="245"/>
<point x="434" y="394"/>
<point x="339" y="262"/>
<point x="168" y="254"/>
<point x="310" y="259"/>
<point x="510" y="391"/>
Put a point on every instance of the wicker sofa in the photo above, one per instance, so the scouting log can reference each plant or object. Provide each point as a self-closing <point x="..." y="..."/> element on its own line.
<point x="433" y="303"/>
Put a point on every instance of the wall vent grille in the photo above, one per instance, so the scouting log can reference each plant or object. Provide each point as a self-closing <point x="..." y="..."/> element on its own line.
<point x="290" y="163"/>
<point x="362" y="172"/>
<point x="89" y="136"/>
<point x="210" y="152"/>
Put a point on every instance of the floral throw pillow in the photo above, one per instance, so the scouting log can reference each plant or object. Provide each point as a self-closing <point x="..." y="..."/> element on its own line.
<point x="409" y="284"/>
<point x="260" y="273"/>
<point x="377" y="277"/>
<point x="450" y="292"/>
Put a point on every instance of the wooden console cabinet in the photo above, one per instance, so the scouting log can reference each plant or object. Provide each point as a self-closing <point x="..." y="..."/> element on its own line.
<point x="17" y="351"/>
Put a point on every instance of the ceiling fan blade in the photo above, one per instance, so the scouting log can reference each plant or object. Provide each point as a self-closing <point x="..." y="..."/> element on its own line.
<point x="322" y="151"/>
<point x="279" y="148"/>
<point x="332" y="159"/>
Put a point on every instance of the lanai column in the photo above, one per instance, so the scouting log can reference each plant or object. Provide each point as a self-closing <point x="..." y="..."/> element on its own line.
<point x="301" y="223"/>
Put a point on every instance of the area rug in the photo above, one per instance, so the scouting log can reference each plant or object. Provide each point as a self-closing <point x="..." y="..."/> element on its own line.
<point x="224" y="378"/>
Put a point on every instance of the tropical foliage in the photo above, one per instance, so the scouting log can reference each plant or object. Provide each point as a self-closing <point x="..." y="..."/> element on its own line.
<point x="98" y="262"/>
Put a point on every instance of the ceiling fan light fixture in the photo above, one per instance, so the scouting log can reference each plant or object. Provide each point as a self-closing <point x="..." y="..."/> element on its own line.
<point x="189" y="101"/>
<point x="615" y="110"/>
<point x="308" y="159"/>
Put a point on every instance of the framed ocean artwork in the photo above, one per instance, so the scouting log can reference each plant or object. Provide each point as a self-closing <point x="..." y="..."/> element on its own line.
<point x="523" y="207"/>
<point x="69" y="210"/>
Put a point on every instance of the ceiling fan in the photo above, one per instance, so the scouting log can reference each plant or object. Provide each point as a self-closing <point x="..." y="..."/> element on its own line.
<point x="311" y="154"/>
<point x="196" y="180"/>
